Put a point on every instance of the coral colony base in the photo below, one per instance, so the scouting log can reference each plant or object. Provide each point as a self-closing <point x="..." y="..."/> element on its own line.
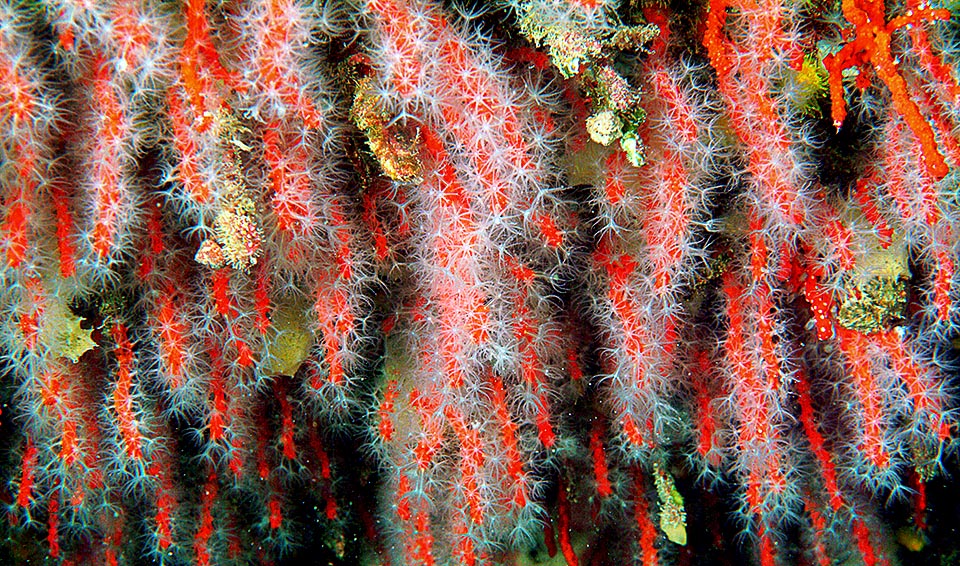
<point x="413" y="282"/>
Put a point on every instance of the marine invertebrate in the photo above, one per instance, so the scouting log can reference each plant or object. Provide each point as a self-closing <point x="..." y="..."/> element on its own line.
<point x="378" y="282"/>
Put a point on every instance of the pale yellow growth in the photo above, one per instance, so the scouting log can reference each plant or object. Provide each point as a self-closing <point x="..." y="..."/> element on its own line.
<point x="875" y="290"/>
<point x="673" y="517"/>
<point x="810" y="86"/>
<point x="237" y="234"/>
<point x="239" y="238"/>
<point x="605" y="127"/>
<point x="587" y="166"/>
<point x="912" y="539"/>
<point x="568" y="46"/>
<point x="289" y="339"/>
<point x="396" y="150"/>
<point x="61" y="332"/>
<point x="890" y="263"/>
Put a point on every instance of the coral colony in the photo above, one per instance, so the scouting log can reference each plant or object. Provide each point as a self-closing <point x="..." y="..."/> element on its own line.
<point x="413" y="282"/>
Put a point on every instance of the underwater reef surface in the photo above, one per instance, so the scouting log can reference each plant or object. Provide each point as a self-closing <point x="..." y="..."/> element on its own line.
<point x="512" y="282"/>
